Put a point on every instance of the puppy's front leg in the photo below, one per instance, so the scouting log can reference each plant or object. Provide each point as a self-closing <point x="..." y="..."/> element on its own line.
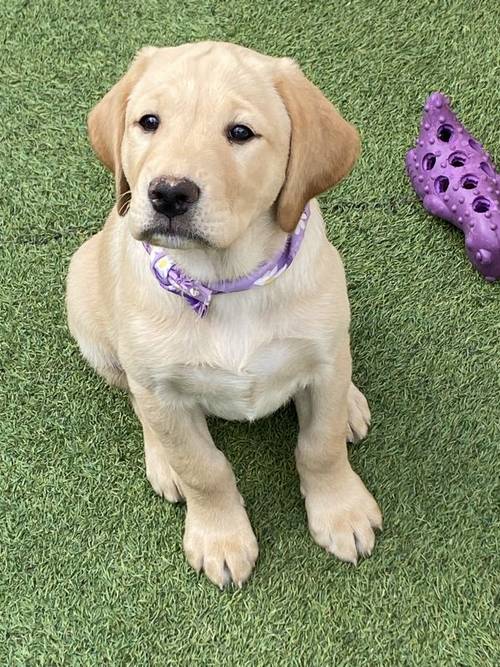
<point x="218" y="537"/>
<point x="342" y="514"/>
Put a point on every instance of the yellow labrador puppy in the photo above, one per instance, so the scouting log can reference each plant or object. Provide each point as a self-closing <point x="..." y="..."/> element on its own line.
<point x="212" y="288"/>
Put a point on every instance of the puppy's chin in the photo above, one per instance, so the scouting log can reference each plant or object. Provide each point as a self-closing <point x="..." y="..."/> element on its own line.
<point x="175" y="242"/>
<point x="172" y="234"/>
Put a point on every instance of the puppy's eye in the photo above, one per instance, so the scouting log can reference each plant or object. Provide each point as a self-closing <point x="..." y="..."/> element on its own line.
<point x="239" y="133"/>
<point x="149" y="122"/>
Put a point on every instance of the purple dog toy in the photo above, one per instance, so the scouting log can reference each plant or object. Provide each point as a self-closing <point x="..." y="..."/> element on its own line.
<point x="456" y="180"/>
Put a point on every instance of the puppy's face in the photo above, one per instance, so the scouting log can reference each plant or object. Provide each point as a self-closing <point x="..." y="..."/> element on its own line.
<point x="205" y="138"/>
<point x="205" y="146"/>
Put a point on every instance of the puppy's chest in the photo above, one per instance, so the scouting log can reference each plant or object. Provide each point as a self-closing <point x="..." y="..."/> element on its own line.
<point x="235" y="382"/>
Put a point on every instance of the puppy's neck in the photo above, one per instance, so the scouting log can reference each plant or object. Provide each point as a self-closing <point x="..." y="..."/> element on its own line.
<point x="260" y="242"/>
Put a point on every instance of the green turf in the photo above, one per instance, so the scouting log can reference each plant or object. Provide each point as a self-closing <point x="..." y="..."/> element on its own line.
<point x="92" y="570"/>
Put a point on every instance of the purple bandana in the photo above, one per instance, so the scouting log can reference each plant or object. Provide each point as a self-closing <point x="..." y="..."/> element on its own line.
<point x="198" y="295"/>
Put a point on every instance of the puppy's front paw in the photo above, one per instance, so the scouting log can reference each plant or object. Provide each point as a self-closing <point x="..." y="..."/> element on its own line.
<point x="222" y="544"/>
<point x="343" y="516"/>
<point x="359" y="416"/>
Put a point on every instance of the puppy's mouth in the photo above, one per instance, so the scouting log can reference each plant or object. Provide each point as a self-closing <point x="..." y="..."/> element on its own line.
<point x="172" y="233"/>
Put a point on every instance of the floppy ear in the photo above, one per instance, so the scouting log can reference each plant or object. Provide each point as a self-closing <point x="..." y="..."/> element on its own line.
<point x="106" y="125"/>
<point x="323" y="146"/>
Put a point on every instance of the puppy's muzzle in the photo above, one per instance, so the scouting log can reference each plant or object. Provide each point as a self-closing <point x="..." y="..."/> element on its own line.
<point x="171" y="196"/>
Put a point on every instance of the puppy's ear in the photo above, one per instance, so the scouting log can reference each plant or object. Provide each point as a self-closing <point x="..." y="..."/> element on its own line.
<point x="323" y="146"/>
<point x="106" y="125"/>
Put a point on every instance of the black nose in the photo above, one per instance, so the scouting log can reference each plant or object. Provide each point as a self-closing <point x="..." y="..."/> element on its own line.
<point x="171" y="197"/>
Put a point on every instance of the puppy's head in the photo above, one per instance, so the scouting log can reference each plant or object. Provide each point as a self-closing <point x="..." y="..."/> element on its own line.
<point x="205" y="138"/>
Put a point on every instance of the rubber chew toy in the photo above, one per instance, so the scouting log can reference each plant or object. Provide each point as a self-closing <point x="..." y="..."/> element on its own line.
<point x="456" y="180"/>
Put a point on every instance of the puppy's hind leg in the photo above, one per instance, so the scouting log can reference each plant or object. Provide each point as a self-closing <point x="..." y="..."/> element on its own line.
<point x="158" y="470"/>
<point x="88" y="318"/>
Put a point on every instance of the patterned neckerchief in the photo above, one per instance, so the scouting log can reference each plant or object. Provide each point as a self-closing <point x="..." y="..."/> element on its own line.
<point x="199" y="295"/>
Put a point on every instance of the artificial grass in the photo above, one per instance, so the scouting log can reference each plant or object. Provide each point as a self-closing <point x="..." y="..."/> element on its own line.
<point x="92" y="570"/>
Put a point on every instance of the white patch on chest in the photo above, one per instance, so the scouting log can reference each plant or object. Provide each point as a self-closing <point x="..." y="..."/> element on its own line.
<point x="267" y="379"/>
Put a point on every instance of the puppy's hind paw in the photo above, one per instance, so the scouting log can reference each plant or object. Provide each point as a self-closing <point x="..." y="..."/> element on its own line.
<point x="359" y="417"/>
<point x="161" y="476"/>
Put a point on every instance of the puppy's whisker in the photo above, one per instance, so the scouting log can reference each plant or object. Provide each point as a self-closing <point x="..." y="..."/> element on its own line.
<point x="122" y="207"/>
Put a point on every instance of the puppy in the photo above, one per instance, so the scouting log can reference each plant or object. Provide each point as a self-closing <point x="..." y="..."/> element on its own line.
<point x="217" y="153"/>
